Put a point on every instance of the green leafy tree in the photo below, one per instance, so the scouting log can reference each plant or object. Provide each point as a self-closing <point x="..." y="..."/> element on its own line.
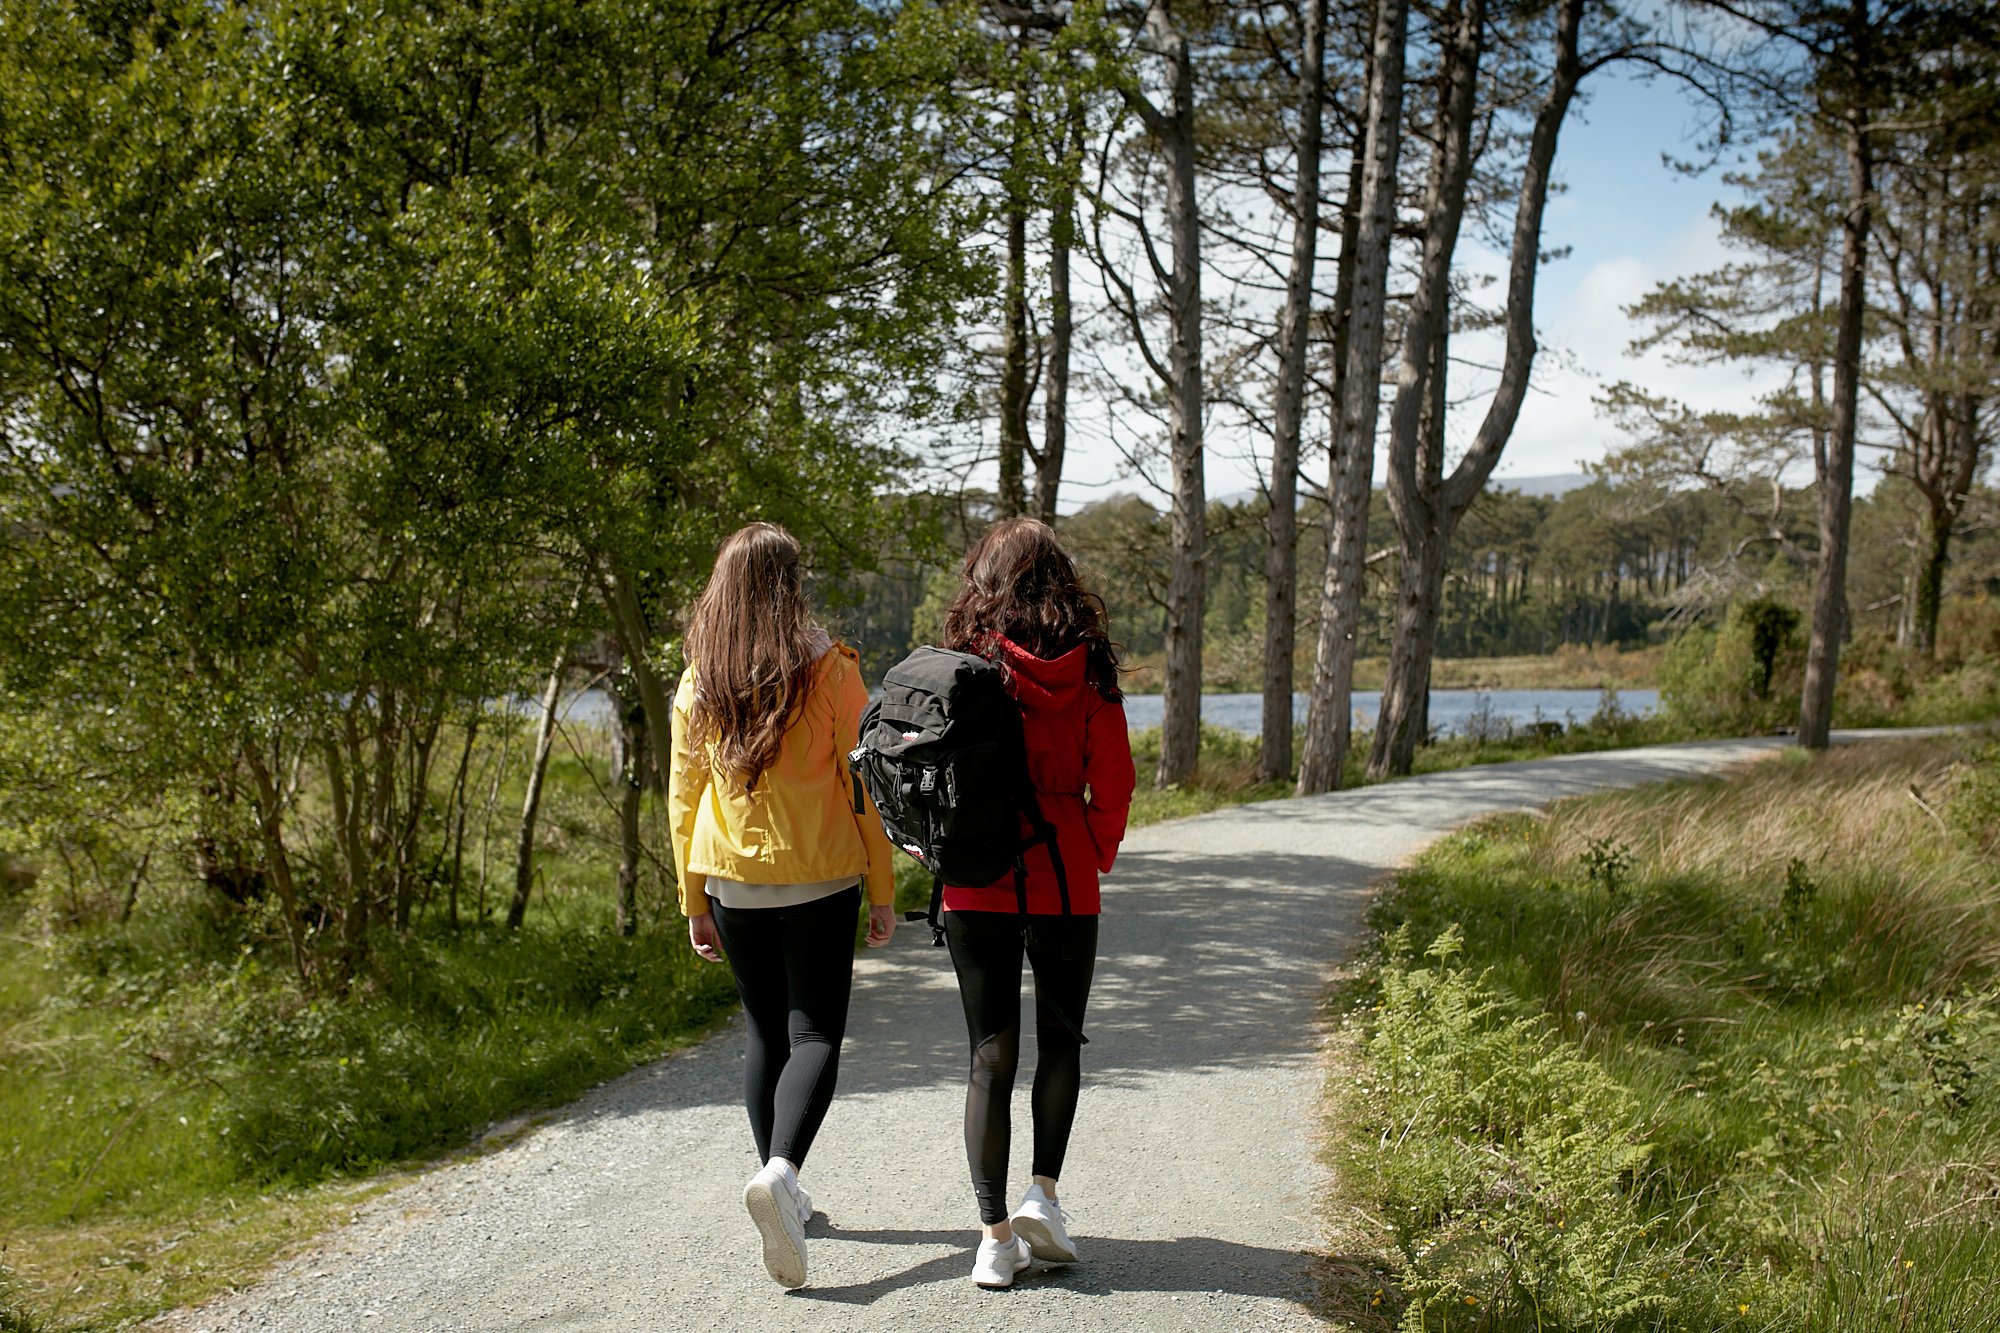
<point x="335" y="358"/>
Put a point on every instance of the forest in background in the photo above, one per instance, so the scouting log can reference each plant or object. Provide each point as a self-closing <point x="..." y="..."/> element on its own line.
<point x="1608" y="563"/>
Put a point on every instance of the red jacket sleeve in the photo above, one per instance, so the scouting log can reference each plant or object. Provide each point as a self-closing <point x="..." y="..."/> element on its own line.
<point x="1107" y="776"/>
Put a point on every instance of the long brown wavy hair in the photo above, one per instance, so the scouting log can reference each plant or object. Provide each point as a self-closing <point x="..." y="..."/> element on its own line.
<point x="750" y="641"/>
<point x="1018" y="582"/>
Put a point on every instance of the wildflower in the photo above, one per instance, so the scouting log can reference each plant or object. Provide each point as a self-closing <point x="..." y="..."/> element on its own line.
<point x="1743" y="1309"/>
<point x="1909" y="1263"/>
<point x="1472" y="1300"/>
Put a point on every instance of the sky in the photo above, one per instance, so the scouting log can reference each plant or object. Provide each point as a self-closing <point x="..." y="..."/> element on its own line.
<point x="1630" y="221"/>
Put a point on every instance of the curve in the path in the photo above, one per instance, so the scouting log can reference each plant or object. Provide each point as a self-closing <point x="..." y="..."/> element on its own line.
<point x="1191" y="1179"/>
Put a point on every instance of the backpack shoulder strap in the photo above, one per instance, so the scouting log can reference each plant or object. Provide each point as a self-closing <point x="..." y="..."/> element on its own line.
<point x="1045" y="836"/>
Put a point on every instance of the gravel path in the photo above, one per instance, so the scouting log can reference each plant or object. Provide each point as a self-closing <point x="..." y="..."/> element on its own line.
<point x="1191" y="1178"/>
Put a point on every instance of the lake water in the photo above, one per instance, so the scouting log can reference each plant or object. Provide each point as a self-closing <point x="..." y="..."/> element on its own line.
<point x="1452" y="711"/>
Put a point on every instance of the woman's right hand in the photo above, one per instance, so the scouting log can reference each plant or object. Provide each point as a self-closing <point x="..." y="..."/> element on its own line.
<point x="704" y="936"/>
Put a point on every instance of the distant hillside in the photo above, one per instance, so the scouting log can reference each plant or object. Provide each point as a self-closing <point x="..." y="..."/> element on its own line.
<point x="1552" y="486"/>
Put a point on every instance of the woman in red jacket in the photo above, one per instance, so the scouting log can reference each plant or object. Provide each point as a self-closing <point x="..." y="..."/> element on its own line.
<point x="1023" y="605"/>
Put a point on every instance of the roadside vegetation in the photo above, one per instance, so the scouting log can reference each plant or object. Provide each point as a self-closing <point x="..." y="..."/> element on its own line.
<point x="1721" y="1054"/>
<point x="1740" y="678"/>
<point x="178" y="1111"/>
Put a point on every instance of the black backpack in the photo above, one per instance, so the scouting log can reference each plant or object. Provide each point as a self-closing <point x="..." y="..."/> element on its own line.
<point x="942" y="754"/>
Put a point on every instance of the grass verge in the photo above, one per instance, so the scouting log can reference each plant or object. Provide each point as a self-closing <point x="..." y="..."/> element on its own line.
<point x="175" y="1114"/>
<point x="1710" y="1055"/>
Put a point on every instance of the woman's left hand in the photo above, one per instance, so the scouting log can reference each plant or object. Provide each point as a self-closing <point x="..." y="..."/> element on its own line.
<point x="703" y="935"/>
<point x="881" y="924"/>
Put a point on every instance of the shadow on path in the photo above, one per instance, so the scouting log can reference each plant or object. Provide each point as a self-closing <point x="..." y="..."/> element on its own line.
<point x="1110" y="1267"/>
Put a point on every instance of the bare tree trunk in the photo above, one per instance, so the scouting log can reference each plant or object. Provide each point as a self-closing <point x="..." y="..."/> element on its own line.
<point x="1926" y="594"/>
<point x="1281" y="524"/>
<point x="423" y="743"/>
<point x="1014" y="340"/>
<point x="628" y="763"/>
<point x="1187" y="582"/>
<point x="271" y="828"/>
<point x="531" y="805"/>
<point x="1329" y="720"/>
<point x="628" y="617"/>
<point x="1442" y="501"/>
<point x="1836" y="478"/>
<point x="345" y="788"/>
<point x="486" y="815"/>
<point x="381" y="850"/>
<point x="1415" y="422"/>
<point x="1055" y="397"/>
<point x="1944" y="477"/>
<point x="133" y="885"/>
<point x="461" y="800"/>
<point x="1403" y="721"/>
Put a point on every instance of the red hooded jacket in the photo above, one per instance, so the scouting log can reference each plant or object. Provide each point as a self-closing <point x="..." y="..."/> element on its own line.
<point x="1080" y="761"/>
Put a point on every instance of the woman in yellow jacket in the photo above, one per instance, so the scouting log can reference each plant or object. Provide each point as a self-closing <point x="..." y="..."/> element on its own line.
<point x="772" y="841"/>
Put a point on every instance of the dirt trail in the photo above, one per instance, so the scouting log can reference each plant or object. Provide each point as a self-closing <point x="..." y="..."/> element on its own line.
<point x="1191" y="1178"/>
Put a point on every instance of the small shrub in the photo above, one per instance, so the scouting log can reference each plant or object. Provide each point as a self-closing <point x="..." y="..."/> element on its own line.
<point x="1973" y="812"/>
<point x="1608" y="866"/>
<point x="1742" y="678"/>
<point x="1969" y="627"/>
<point x="1969" y="692"/>
<point x="1481" y="725"/>
<point x="1503" y="1160"/>
<point x="1772" y="627"/>
<point x="1798" y="894"/>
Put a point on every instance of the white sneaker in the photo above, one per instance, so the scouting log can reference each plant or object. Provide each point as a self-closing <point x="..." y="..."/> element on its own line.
<point x="774" y="1207"/>
<point x="997" y="1262"/>
<point x="1045" y="1227"/>
<point x="805" y="1205"/>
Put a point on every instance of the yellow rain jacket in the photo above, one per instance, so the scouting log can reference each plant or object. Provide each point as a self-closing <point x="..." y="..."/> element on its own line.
<point x="799" y="826"/>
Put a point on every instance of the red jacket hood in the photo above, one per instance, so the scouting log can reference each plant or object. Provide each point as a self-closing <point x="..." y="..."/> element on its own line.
<point x="1048" y="684"/>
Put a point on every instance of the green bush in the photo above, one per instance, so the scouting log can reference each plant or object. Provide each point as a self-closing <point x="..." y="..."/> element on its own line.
<point x="1969" y="692"/>
<point x="1974" y="809"/>
<point x="1741" y="679"/>
<point x="1502" y="1159"/>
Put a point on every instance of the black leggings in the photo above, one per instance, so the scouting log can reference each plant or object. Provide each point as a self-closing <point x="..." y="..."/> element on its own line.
<point x="986" y="949"/>
<point x="794" y="967"/>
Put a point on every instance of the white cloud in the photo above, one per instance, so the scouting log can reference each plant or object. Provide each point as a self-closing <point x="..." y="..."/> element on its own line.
<point x="1586" y="344"/>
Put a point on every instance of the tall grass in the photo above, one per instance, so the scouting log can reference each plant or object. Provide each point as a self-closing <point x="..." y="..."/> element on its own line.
<point x="1779" y="997"/>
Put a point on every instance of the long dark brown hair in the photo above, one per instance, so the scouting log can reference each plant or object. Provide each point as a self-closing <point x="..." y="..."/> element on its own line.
<point x="751" y="643"/>
<point x="1018" y="582"/>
